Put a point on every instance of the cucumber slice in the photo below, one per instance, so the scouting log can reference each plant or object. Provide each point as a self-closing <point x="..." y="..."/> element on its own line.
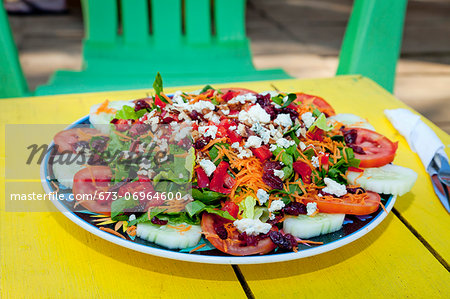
<point x="304" y="227"/>
<point x="169" y="237"/>
<point x="64" y="173"/>
<point x="388" y="179"/>
<point x="101" y="121"/>
<point x="350" y="120"/>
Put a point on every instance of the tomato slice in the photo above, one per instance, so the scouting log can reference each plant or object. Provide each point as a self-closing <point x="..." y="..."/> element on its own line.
<point x="237" y="90"/>
<point x="378" y="150"/>
<point x="65" y="140"/>
<point x="141" y="191"/>
<point x="233" y="246"/>
<point x="339" y="206"/>
<point x="317" y="102"/>
<point x="90" y="181"/>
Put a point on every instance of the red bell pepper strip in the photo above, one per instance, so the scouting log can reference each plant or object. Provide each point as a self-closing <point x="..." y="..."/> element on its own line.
<point x="219" y="177"/>
<point x="262" y="153"/>
<point x="231" y="208"/>
<point x="159" y="103"/>
<point x="202" y="178"/>
<point x="303" y="170"/>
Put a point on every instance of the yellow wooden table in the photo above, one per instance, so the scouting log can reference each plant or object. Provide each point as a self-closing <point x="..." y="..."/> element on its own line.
<point x="46" y="255"/>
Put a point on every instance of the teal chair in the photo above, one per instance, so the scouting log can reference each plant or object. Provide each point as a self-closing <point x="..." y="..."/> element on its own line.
<point x="181" y="46"/>
<point x="12" y="80"/>
<point x="188" y="48"/>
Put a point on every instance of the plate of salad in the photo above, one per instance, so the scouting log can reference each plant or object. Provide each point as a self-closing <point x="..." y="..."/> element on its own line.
<point x="226" y="176"/>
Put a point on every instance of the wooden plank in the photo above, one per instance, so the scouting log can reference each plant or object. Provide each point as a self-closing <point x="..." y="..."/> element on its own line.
<point x="45" y="255"/>
<point x="198" y="21"/>
<point x="388" y="260"/>
<point x="135" y="25"/>
<point x="166" y="22"/>
<point x="100" y="20"/>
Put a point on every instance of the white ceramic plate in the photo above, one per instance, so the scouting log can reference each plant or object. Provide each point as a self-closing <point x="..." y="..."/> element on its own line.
<point x="358" y="227"/>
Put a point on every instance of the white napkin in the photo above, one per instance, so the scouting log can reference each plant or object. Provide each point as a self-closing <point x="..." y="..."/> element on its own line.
<point x="420" y="137"/>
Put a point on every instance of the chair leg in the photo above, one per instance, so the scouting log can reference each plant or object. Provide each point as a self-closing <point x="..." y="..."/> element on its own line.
<point x="372" y="41"/>
<point x="12" y="80"/>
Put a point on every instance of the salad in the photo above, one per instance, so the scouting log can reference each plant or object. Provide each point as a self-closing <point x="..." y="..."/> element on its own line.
<point x="229" y="169"/>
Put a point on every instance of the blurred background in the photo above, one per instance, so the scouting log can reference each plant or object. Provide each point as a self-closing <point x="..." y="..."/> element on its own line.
<point x="301" y="36"/>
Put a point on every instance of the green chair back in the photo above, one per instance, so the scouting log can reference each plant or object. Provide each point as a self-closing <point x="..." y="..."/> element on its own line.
<point x="188" y="42"/>
<point x="12" y="81"/>
<point x="196" y="42"/>
<point x="373" y="39"/>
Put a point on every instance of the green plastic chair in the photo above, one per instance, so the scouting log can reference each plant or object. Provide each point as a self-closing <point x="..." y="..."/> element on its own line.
<point x="12" y="80"/>
<point x="181" y="46"/>
<point x="188" y="48"/>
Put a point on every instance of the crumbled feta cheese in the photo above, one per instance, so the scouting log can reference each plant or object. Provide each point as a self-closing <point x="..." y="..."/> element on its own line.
<point x="177" y="99"/>
<point x="208" y="131"/>
<point x="153" y="122"/>
<point x="301" y="132"/>
<point x="182" y="133"/>
<point x="302" y="146"/>
<point x="276" y="205"/>
<point x="334" y="188"/>
<point x="308" y="119"/>
<point x="257" y="113"/>
<point x="208" y="166"/>
<point x="142" y="172"/>
<point x="272" y="93"/>
<point x="244" y="116"/>
<point x="132" y="217"/>
<point x="252" y="226"/>
<point x="272" y="216"/>
<point x="262" y="196"/>
<point x="284" y="143"/>
<point x="261" y="131"/>
<point x="200" y="105"/>
<point x="242" y="98"/>
<point x="253" y="141"/>
<point x="145" y="164"/>
<point x="235" y="145"/>
<point x="279" y="173"/>
<point x="283" y="120"/>
<point x="311" y="208"/>
<point x="226" y="112"/>
<point x="232" y="128"/>
<point x="241" y="129"/>
<point x="212" y="117"/>
<point x="273" y="147"/>
<point x="245" y="153"/>
<point x="315" y="161"/>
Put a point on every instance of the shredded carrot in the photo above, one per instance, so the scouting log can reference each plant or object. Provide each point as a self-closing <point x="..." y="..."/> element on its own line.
<point x="132" y="230"/>
<point x="104" y="108"/>
<point x="198" y="247"/>
<point x="169" y="100"/>
<point x="212" y="142"/>
<point x="118" y="225"/>
<point x="180" y="228"/>
<point x="122" y="135"/>
<point x="309" y="242"/>
<point x="55" y="186"/>
<point x="113" y="232"/>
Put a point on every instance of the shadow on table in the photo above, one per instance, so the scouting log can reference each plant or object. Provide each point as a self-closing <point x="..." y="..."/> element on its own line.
<point x="315" y="263"/>
<point x="203" y="271"/>
<point x="145" y="261"/>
